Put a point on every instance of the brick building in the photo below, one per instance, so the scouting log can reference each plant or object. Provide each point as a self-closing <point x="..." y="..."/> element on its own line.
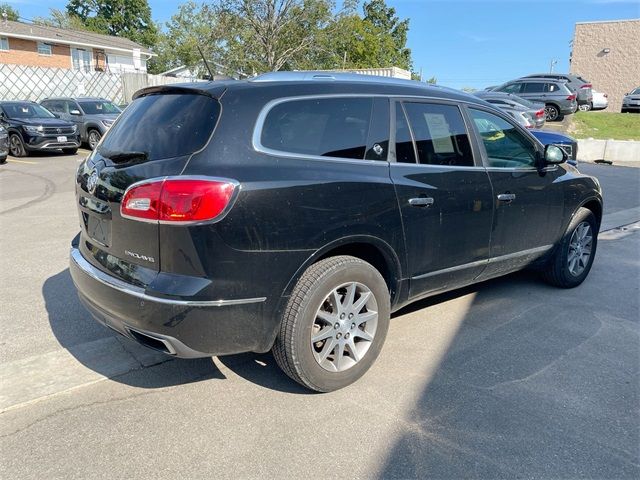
<point x="607" y="53"/>
<point x="40" y="46"/>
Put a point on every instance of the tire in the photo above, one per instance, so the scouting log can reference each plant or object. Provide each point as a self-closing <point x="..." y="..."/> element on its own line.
<point x="16" y="146"/>
<point x="564" y="270"/>
<point x="69" y="151"/>
<point x="551" y="112"/>
<point x="93" y="137"/>
<point x="3" y="160"/>
<point x="585" y="107"/>
<point x="312" y="309"/>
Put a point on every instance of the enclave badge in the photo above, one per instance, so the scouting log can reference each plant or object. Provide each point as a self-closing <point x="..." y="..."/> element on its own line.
<point x="92" y="182"/>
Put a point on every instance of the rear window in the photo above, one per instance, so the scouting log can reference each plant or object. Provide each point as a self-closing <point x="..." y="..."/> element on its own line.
<point x="163" y="126"/>
<point x="98" y="107"/>
<point x="323" y="127"/>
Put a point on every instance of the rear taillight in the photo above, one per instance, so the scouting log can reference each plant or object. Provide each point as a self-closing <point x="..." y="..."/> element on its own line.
<point x="540" y="113"/>
<point x="586" y="85"/>
<point x="571" y="97"/>
<point x="178" y="200"/>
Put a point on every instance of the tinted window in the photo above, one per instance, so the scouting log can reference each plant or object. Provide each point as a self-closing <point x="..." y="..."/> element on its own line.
<point x="440" y="134"/>
<point x="511" y="88"/>
<point x="404" y="142"/>
<point x="534" y="87"/>
<point x="163" y="126"/>
<point x="506" y="147"/>
<point x="326" y="127"/>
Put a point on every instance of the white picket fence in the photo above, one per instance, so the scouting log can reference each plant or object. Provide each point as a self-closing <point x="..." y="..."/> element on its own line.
<point x="18" y="82"/>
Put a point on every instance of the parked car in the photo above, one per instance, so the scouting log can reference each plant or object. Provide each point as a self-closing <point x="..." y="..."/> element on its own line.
<point x="4" y="144"/>
<point x="576" y="83"/>
<point x="284" y="213"/>
<point x="631" y="102"/>
<point x="502" y="100"/>
<point x="93" y="116"/>
<point x="32" y="127"/>
<point x="600" y="100"/>
<point x="565" y="142"/>
<point x="557" y="97"/>
<point x="520" y="115"/>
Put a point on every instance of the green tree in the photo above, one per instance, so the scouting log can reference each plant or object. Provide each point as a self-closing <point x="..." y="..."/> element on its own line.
<point x="61" y="19"/>
<point x="12" y="13"/>
<point x="124" y="18"/>
<point x="432" y="80"/>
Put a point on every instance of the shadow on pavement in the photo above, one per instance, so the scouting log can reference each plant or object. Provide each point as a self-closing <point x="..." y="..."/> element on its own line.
<point x="542" y="387"/>
<point x="101" y="350"/>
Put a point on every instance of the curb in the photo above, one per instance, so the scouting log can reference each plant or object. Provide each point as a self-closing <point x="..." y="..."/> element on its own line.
<point x="620" y="151"/>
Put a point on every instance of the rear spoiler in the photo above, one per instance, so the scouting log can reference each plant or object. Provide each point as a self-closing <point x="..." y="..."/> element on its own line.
<point x="213" y="91"/>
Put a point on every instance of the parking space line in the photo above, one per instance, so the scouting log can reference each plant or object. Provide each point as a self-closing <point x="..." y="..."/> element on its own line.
<point x="21" y="161"/>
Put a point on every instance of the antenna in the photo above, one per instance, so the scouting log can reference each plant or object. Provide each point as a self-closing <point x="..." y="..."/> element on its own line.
<point x="205" y="61"/>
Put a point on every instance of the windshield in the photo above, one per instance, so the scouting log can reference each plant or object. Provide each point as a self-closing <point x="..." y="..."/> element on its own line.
<point x="161" y="126"/>
<point x="97" y="107"/>
<point x="26" y="110"/>
<point x="636" y="91"/>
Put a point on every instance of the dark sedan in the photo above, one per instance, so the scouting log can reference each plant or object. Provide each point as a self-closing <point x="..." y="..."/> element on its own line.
<point x="34" y="128"/>
<point x="4" y="145"/>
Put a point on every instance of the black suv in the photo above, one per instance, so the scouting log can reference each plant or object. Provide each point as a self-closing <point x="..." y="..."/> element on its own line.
<point x="32" y="127"/>
<point x="4" y="144"/>
<point x="296" y="211"/>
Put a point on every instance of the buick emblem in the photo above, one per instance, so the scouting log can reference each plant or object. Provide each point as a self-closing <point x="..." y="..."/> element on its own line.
<point x="92" y="182"/>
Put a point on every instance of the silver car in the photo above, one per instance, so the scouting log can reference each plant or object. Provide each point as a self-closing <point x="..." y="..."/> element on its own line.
<point x="631" y="102"/>
<point x="535" y="111"/>
<point x="558" y="99"/>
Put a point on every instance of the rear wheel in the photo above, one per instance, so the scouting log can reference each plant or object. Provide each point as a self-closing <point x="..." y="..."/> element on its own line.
<point x="93" y="138"/>
<point x="585" y="107"/>
<point x="573" y="258"/>
<point x="16" y="146"/>
<point x="551" y="112"/>
<point x="334" y="325"/>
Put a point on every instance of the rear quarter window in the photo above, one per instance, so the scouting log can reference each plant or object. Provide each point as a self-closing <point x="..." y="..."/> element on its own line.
<point x="320" y="127"/>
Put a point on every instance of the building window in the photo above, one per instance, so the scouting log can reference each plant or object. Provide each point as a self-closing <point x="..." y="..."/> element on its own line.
<point x="44" y="49"/>
<point x="4" y="44"/>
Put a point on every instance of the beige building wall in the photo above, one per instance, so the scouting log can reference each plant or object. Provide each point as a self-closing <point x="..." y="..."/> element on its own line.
<point x="615" y="72"/>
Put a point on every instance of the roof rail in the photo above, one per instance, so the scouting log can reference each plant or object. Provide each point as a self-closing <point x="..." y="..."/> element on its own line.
<point x="329" y="76"/>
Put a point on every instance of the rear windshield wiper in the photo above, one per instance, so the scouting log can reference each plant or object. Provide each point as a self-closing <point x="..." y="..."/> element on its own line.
<point x="122" y="157"/>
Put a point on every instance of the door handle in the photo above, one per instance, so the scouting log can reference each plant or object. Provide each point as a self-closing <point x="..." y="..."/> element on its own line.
<point x="421" y="202"/>
<point x="506" y="197"/>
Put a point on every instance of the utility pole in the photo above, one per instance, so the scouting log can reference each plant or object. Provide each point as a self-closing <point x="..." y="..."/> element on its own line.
<point x="553" y="64"/>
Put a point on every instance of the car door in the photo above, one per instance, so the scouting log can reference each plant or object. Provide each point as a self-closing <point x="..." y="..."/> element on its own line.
<point x="75" y="115"/>
<point x="528" y="201"/>
<point x="444" y="194"/>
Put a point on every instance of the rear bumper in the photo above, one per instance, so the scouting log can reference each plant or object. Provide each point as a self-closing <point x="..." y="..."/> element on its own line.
<point x="569" y="109"/>
<point x="178" y="327"/>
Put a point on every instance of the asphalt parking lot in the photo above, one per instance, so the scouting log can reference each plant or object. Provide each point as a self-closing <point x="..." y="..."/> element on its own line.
<point x="509" y="378"/>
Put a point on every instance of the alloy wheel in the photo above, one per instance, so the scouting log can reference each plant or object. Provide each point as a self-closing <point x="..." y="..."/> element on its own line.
<point x="344" y="327"/>
<point x="551" y="113"/>
<point x="15" y="146"/>
<point x="94" y="139"/>
<point x="580" y="249"/>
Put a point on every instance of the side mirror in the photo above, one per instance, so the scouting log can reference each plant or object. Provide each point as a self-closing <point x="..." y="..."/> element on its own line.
<point x="553" y="155"/>
<point x="74" y="112"/>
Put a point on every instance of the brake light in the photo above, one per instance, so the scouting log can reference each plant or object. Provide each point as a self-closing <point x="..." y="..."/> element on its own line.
<point x="571" y="97"/>
<point x="540" y="113"/>
<point x="177" y="200"/>
<point x="586" y="85"/>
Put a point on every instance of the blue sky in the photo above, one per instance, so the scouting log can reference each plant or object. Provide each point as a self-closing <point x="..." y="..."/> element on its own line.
<point x="471" y="43"/>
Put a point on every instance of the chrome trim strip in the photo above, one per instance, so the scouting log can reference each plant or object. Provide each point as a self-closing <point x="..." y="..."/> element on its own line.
<point x="138" y="292"/>
<point x="510" y="256"/>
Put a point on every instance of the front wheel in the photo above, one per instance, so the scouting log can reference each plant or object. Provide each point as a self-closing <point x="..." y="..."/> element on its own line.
<point x="93" y="139"/>
<point x="334" y="324"/>
<point x="574" y="256"/>
<point x="16" y="146"/>
<point x="551" y="113"/>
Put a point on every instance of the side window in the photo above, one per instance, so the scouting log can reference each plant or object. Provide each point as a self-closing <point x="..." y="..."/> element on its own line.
<point x="326" y="127"/>
<point x="534" y="87"/>
<point x="440" y="134"/>
<point x="506" y="147"/>
<point x="71" y="106"/>
<point x="404" y="142"/>
<point x="552" y="87"/>
<point x="512" y="88"/>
